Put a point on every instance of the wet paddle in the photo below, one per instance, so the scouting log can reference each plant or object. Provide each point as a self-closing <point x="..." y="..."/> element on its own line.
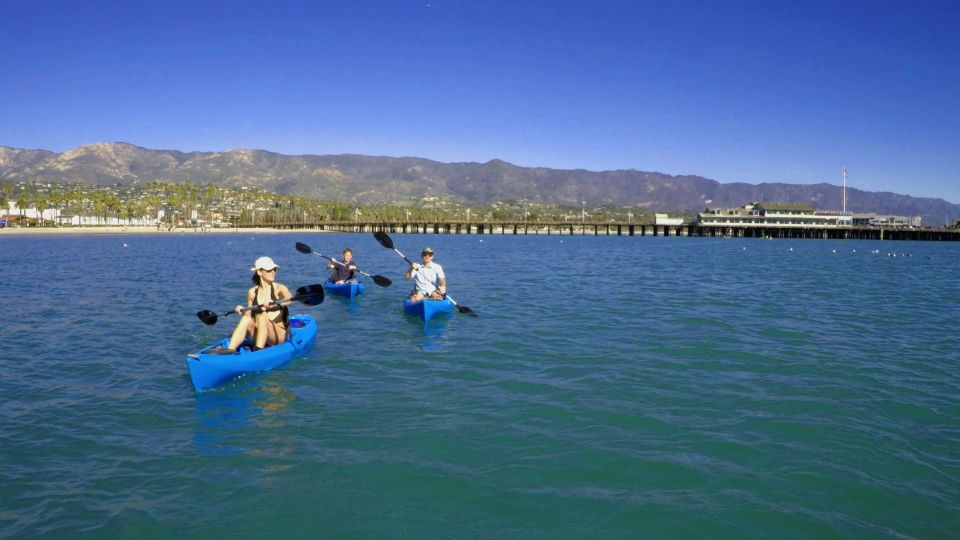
<point x="387" y="242"/>
<point x="378" y="279"/>
<point x="308" y="295"/>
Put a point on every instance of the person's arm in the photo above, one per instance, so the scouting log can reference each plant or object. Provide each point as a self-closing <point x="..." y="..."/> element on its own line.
<point x="443" y="286"/>
<point x="411" y="271"/>
<point x="239" y="308"/>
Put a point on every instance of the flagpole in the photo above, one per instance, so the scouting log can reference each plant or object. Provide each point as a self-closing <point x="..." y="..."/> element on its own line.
<point x="844" y="191"/>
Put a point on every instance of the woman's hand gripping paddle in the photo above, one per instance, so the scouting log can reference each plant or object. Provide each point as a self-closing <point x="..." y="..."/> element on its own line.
<point x="378" y="279"/>
<point x="308" y="295"/>
<point x="387" y="242"/>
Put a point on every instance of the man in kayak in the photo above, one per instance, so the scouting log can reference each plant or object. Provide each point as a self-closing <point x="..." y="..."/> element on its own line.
<point x="343" y="271"/>
<point x="430" y="280"/>
<point x="267" y="325"/>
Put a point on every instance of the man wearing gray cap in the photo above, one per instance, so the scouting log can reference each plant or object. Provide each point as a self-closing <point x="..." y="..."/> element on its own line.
<point x="430" y="280"/>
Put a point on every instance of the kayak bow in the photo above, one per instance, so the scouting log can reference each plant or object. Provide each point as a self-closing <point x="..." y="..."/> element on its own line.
<point x="348" y="290"/>
<point x="428" y="309"/>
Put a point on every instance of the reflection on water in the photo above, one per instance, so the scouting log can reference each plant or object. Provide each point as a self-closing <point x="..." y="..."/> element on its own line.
<point x="225" y="415"/>
<point x="433" y="330"/>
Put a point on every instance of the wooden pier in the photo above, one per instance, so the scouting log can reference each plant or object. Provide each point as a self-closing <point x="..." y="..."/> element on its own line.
<point x="629" y="229"/>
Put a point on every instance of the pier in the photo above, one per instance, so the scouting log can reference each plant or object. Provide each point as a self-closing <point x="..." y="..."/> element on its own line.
<point x="629" y="229"/>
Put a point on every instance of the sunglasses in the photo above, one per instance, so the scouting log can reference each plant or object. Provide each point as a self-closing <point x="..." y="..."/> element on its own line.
<point x="270" y="270"/>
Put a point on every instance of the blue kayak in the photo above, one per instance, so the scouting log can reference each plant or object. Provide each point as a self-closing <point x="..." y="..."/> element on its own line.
<point x="428" y="309"/>
<point x="344" y="289"/>
<point x="209" y="370"/>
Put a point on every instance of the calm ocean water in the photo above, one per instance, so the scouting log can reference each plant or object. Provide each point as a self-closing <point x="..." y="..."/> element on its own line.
<point x="610" y="388"/>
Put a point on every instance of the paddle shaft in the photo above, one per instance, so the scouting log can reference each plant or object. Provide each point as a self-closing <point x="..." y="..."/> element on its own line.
<point x="334" y="261"/>
<point x="378" y="279"/>
<point x="273" y="303"/>
<point x="210" y="317"/>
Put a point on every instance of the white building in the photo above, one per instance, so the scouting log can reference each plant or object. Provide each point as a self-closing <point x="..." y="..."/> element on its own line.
<point x="763" y="214"/>
<point x="665" y="219"/>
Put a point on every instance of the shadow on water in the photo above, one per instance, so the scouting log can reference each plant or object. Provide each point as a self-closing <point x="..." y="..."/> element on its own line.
<point x="224" y="416"/>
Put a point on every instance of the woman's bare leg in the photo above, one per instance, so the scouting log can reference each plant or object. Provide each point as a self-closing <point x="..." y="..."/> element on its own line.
<point x="243" y="328"/>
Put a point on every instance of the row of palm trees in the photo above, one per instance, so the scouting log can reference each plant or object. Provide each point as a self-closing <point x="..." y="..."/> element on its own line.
<point x="186" y="203"/>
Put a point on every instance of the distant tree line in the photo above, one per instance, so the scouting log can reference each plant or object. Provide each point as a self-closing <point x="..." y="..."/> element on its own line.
<point x="189" y="203"/>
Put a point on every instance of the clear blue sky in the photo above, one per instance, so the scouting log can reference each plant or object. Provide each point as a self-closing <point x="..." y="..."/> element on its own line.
<point x="757" y="91"/>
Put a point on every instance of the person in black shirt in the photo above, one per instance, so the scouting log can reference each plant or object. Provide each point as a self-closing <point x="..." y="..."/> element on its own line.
<point x="343" y="271"/>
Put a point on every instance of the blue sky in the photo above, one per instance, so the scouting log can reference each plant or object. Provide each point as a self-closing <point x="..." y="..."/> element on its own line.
<point x="749" y="91"/>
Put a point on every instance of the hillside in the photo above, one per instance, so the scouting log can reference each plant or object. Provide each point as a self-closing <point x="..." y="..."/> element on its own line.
<point x="370" y="179"/>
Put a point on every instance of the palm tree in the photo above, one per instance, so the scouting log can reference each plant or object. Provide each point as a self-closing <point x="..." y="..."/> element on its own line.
<point x="5" y="198"/>
<point x="57" y="199"/>
<point x="153" y="202"/>
<point x="24" y="201"/>
<point x="99" y="200"/>
<point x="41" y="201"/>
<point x="209" y="192"/>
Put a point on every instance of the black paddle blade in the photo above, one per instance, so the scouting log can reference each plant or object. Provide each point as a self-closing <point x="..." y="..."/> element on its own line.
<point x="310" y="295"/>
<point x="466" y="311"/>
<point x="207" y="316"/>
<point x="382" y="281"/>
<point x="303" y="248"/>
<point x="384" y="240"/>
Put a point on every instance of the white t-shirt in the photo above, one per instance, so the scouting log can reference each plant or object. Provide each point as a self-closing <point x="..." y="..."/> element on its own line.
<point x="427" y="278"/>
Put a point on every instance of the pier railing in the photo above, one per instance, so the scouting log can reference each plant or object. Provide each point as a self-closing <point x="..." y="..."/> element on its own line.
<point x="629" y="229"/>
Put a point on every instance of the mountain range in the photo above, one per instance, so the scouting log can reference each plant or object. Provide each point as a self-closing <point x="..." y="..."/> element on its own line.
<point x="406" y="180"/>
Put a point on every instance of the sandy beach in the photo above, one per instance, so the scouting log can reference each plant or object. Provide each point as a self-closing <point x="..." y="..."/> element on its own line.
<point x="11" y="231"/>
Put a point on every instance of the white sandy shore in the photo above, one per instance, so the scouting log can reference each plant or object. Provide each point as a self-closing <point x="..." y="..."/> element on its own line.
<point x="142" y="230"/>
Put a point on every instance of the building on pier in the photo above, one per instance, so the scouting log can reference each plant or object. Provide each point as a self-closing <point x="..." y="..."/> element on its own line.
<point x="665" y="219"/>
<point x="875" y="220"/>
<point x="764" y="214"/>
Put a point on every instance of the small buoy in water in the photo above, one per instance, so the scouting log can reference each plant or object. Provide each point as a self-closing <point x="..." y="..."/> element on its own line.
<point x="854" y="251"/>
<point x="791" y="249"/>
<point x="481" y="239"/>
<point x="124" y="244"/>
<point x="834" y="251"/>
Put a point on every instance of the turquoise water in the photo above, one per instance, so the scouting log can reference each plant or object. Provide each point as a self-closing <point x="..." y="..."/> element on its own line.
<point x="611" y="387"/>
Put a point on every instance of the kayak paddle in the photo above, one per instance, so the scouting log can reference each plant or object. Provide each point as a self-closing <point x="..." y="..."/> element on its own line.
<point x="308" y="295"/>
<point x="387" y="242"/>
<point x="378" y="279"/>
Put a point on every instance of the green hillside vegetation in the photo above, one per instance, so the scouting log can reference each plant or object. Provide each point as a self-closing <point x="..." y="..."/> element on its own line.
<point x="219" y="206"/>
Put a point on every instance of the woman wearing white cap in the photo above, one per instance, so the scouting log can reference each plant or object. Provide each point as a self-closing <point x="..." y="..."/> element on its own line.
<point x="268" y="326"/>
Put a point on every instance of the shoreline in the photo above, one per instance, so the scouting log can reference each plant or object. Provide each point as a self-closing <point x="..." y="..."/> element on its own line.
<point x="111" y="229"/>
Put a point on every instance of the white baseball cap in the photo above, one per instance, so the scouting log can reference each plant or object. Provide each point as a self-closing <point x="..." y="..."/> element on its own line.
<point x="264" y="263"/>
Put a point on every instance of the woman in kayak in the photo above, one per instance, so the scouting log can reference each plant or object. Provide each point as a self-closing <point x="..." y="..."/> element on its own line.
<point x="343" y="271"/>
<point x="268" y="325"/>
